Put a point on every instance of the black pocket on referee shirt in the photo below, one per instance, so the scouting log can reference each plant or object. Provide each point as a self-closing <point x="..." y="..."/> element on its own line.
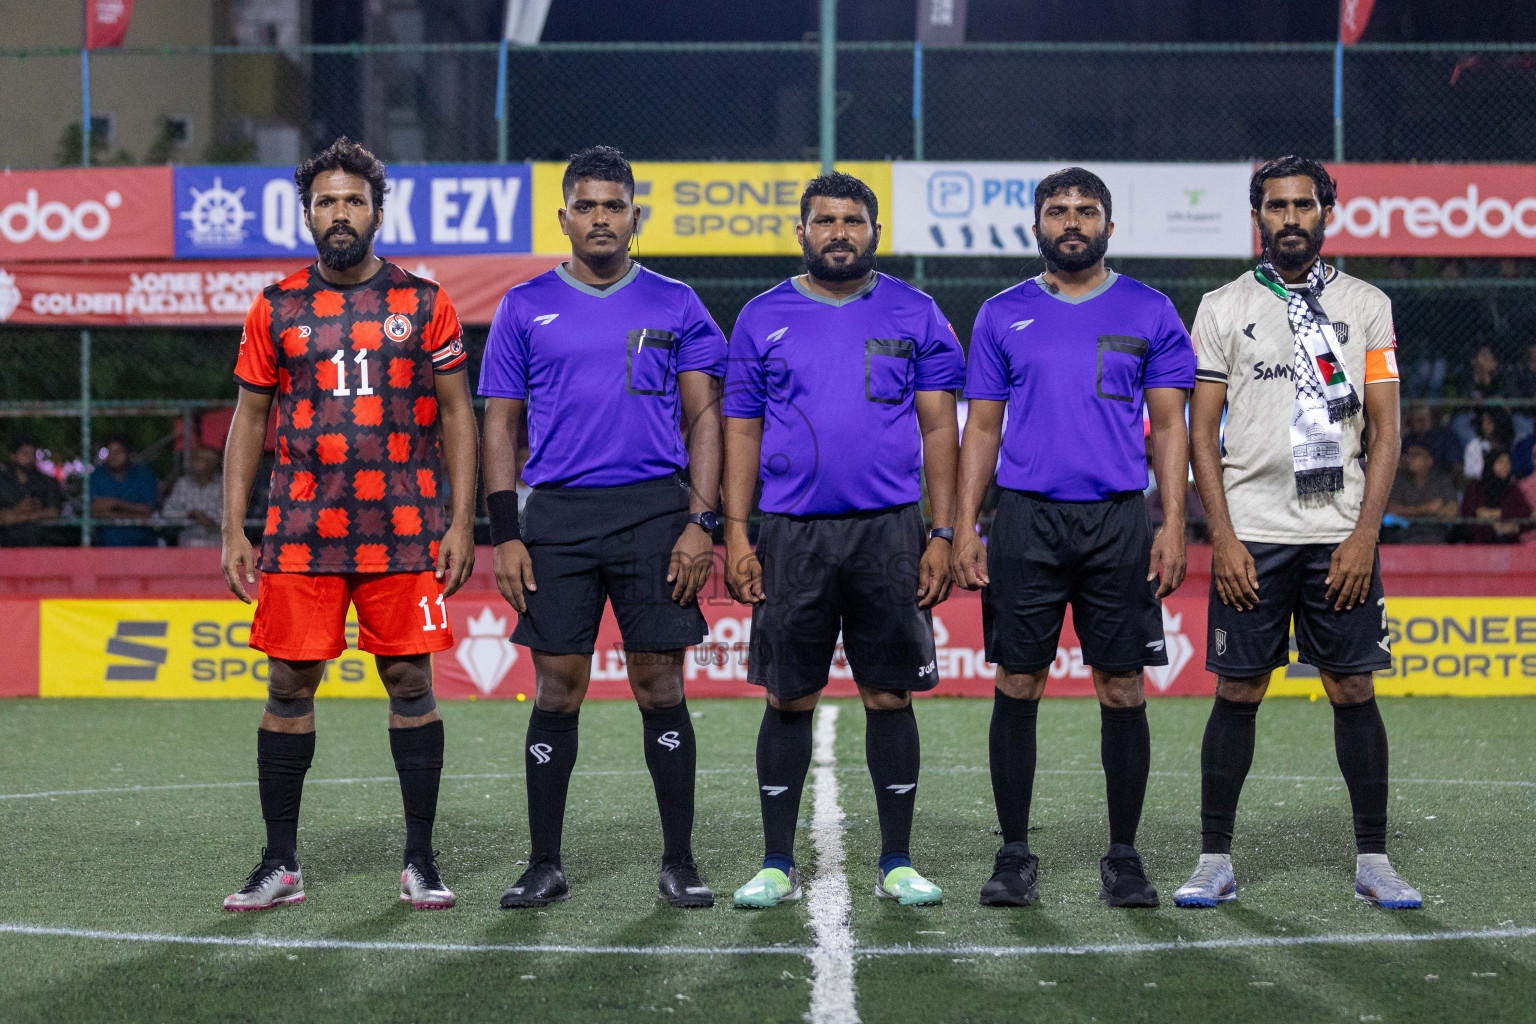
<point x="648" y="370"/>
<point x="888" y="370"/>
<point x="1120" y="359"/>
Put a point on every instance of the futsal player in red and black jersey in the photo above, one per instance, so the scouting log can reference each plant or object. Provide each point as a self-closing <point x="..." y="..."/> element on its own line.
<point x="364" y="361"/>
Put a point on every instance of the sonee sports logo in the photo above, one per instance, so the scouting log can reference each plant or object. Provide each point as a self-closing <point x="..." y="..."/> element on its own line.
<point x="124" y="644"/>
<point x="541" y="752"/>
<point x="670" y="739"/>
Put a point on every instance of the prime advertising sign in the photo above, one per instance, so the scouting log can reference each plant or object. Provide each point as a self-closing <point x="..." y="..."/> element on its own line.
<point x="435" y="209"/>
<point x="984" y="209"/>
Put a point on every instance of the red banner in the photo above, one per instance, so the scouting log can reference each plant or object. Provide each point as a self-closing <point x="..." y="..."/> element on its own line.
<point x="110" y="213"/>
<point x="106" y="22"/>
<point x="195" y="293"/>
<point x="1434" y="210"/>
<point x="483" y="664"/>
<point x="1354" y="15"/>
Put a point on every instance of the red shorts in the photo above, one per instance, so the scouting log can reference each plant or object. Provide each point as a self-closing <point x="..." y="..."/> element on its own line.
<point x="300" y="617"/>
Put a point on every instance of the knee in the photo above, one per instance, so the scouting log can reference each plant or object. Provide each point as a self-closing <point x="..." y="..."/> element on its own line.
<point x="806" y="703"/>
<point x="1355" y="689"/>
<point x="1242" y="691"/>
<point x="1121" y="691"/>
<point x="1022" y="685"/>
<point x="885" y="700"/>
<point x="409" y="684"/>
<point x="656" y="678"/>
<point x="553" y="693"/>
<point x="291" y="688"/>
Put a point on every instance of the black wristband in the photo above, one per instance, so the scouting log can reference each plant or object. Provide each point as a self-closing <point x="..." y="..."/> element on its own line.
<point x="942" y="533"/>
<point x="502" y="506"/>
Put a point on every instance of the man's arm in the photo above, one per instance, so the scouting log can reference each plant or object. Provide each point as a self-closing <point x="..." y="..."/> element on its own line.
<point x="941" y="454"/>
<point x="1170" y="465"/>
<point x="1349" y="575"/>
<point x="978" y="461"/>
<point x="743" y="450"/>
<point x="242" y="457"/>
<point x="456" y="551"/>
<point x="693" y="556"/>
<point x="1232" y="569"/>
<point x="499" y="452"/>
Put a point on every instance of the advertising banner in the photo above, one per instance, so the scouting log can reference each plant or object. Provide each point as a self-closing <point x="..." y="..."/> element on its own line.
<point x="981" y="209"/>
<point x="710" y="209"/>
<point x="435" y="209"/>
<point x="100" y="214"/>
<point x="1434" y="210"/>
<point x="217" y="293"/>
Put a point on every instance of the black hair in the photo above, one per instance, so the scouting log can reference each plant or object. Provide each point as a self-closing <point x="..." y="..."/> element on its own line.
<point x="21" y="441"/>
<point x="598" y="163"/>
<point x="342" y="155"/>
<point x="122" y="439"/>
<point x="1291" y="167"/>
<point x="837" y="185"/>
<point x="1080" y="178"/>
<point x="1502" y="436"/>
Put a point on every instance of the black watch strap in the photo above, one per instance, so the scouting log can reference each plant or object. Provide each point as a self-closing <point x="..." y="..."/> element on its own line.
<point x="942" y="533"/>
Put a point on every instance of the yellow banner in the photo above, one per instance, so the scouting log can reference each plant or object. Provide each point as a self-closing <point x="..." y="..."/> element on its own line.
<point x="170" y="649"/>
<point x="710" y="209"/>
<point x="1446" y="646"/>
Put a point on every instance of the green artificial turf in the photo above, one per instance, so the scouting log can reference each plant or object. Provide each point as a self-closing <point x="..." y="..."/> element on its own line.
<point x="160" y="861"/>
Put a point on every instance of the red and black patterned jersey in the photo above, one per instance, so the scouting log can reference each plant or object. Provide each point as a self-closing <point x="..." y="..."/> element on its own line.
<point x="358" y="483"/>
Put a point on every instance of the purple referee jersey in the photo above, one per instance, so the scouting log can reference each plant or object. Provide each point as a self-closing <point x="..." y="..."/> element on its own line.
<point x="599" y="370"/>
<point x="836" y="381"/>
<point x="1073" y="371"/>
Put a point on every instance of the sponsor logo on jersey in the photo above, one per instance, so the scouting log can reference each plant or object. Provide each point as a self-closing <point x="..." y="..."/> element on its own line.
<point x="546" y="319"/>
<point x="776" y="335"/>
<point x="1019" y="325"/>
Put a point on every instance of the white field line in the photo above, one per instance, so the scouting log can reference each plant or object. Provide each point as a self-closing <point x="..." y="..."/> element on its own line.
<point x="950" y="770"/>
<point x="1096" y="949"/>
<point x="828" y="901"/>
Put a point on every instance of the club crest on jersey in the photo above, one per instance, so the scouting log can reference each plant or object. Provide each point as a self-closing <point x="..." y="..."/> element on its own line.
<point x="1221" y="641"/>
<point x="398" y="327"/>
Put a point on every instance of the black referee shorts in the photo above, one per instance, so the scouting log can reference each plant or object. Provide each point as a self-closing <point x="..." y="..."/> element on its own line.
<point x="856" y="573"/>
<point x="591" y="544"/>
<point x="1043" y="555"/>
<point x="1293" y="583"/>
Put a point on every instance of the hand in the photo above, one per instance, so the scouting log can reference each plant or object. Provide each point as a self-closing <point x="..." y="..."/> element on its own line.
<point x="744" y="576"/>
<point x="693" y="559"/>
<point x="933" y="574"/>
<point x="1349" y="573"/>
<point x="1237" y="582"/>
<point x="514" y="573"/>
<point x="968" y="561"/>
<point x="456" y="557"/>
<point x="239" y="563"/>
<point x="1168" y="560"/>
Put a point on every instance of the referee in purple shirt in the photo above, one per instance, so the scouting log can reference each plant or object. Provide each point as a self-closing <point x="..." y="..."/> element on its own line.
<point x="1073" y="354"/>
<point x="608" y="360"/>
<point x="840" y="394"/>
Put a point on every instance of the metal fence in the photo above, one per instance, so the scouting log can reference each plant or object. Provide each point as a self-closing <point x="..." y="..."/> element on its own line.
<point x="762" y="101"/>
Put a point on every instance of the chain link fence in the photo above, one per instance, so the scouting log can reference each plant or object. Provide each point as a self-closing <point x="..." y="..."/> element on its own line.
<point x="755" y="101"/>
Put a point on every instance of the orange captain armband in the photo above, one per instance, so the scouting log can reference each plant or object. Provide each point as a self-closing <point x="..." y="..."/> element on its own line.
<point x="1380" y="364"/>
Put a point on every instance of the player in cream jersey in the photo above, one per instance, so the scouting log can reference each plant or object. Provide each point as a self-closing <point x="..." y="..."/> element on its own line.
<point x="1300" y="357"/>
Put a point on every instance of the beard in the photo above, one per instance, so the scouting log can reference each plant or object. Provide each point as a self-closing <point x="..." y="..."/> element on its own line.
<point x="1093" y="250"/>
<point x="820" y="267"/>
<point x="1292" y="259"/>
<point x="345" y="250"/>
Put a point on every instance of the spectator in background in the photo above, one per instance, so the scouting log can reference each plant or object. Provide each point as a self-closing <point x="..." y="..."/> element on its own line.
<point x="29" y="499"/>
<point x="1496" y="499"/>
<point x="1522" y="379"/>
<point x="1422" y="490"/>
<point x="1437" y="438"/>
<point x="1495" y="432"/>
<point x="123" y="489"/>
<point x="200" y="498"/>
<point x="1481" y="377"/>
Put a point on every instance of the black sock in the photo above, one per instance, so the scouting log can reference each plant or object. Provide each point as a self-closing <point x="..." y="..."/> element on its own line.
<point x="549" y="755"/>
<point x="783" y="758"/>
<point x="282" y="758"/>
<point x="1360" y="742"/>
<point x="1125" y="747"/>
<point x="894" y="755"/>
<point x="671" y="755"/>
<point x="419" y="761"/>
<point x="1011" y="749"/>
<point x="1226" y="754"/>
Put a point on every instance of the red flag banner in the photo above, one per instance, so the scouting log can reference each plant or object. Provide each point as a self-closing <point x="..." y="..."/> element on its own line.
<point x="1354" y="15"/>
<point x="106" y="22"/>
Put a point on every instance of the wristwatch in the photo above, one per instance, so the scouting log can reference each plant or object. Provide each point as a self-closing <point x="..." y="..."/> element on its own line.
<point x="706" y="521"/>
<point x="942" y="533"/>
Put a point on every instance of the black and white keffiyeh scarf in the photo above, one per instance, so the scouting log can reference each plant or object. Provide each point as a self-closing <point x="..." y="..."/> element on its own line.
<point x="1325" y="398"/>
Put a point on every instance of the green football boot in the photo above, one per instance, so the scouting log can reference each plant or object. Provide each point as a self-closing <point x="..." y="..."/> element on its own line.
<point x="907" y="887"/>
<point x="768" y="888"/>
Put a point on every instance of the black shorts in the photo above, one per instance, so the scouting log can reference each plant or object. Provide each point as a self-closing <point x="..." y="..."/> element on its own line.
<point x="1043" y="555"/>
<point x="589" y="544"/>
<point x="1293" y="583"/>
<point x="856" y="573"/>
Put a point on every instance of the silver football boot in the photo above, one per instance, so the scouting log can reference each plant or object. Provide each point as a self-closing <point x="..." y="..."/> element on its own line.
<point x="1376" y="882"/>
<point x="422" y="887"/>
<point x="269" y="885"/>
